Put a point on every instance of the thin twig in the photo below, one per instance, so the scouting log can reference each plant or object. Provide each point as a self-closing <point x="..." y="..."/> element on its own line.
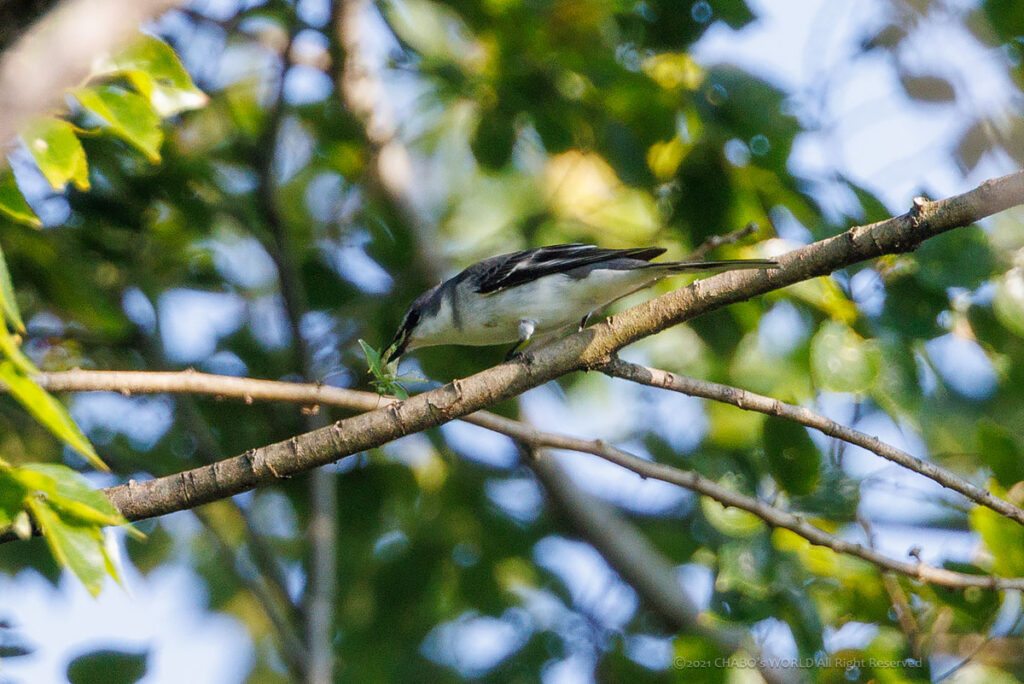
<point x="751" y="401"/>
<point x="713" y="242"/>
<point x="291" y="647"/>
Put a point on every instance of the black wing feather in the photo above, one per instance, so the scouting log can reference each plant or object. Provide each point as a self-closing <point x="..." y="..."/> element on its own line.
<point x="517" y="268"/>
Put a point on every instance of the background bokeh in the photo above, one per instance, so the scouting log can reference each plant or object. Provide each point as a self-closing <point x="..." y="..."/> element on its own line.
<point x="354" y="153"/>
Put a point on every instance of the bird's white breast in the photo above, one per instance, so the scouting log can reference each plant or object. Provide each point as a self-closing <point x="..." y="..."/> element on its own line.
<point x="551" y="302"/>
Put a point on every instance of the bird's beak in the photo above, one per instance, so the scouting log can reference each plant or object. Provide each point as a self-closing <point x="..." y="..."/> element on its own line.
<point x="397" y="346"/>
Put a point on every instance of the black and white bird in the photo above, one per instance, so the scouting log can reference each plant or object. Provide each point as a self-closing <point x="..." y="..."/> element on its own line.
<point x="513" y="297"/>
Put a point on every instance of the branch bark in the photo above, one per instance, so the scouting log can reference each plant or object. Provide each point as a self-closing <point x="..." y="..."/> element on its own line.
<point x="586" y="349"/>
<point x="251" y="390"/>
<point x="590" y="348"/>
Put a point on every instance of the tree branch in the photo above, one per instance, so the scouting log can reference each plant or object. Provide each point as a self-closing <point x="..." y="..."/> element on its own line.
<point x="588" y="348"/>
<point x="293" y="651"/>
<point x="249" y="390"/>
<point x="750" y="401"/>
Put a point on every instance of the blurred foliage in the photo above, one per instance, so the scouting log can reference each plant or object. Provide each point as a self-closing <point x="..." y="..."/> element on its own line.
<point x="68" y="513"/>
<point x="111" y="667"/>
<point x="147" y="228"/>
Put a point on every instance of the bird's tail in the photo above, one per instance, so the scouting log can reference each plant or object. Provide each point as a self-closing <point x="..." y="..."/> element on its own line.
<point x="713" y="266"/>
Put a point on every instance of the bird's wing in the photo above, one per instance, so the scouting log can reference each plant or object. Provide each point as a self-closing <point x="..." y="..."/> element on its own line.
<point x="517" y="268"/>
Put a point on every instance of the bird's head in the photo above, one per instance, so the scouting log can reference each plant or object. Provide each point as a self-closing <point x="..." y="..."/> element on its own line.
<point x="410" y="334"/>
<point x="404" y="335"/>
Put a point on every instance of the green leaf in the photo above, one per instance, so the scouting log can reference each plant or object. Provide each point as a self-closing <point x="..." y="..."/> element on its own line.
<point x="793" y="459"/>
<point x="1008" y="303"/>
<point x="13" y="204"/>
<point x="58" y="152"/>
<point x="384" y="379"/>
<point x="1004" y="538"/>
<point x="129" y="116"/>
<point x="732" y="522"/>
<point x="8" y="304"/>
<point x="72" y="496"/>
<point x="841" y="360"/>
<point x="75" y="546"/>
<point x="108" y="666"/>
<point x="10" y="350"/>
<point x="1000" y="452"/>
<point x="11" y="497"/>
<point x="48" y="411"/>
<point x="156" y="72"/>
<point x="372" y="358"/>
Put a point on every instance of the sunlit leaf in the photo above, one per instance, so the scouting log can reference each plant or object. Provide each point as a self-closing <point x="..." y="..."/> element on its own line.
<point x="156" y="72"/>
<point x="825" y="295"/>
<point x="8" y="304"/>
<point x="72" y="496"/>
<point x="733" y="522"/>
<point x="58" y="152"/>
<point x="13" y="204"/>
<point x="1003" y="537"/>
<point x="10" y="350"/>
<point x="1008" y="302"/>
<point x="11" y="497"/>
<point x="664" y="158"/>
<point x="841" y="360"/>
<point x="128" y="115"/>
<point x="673" y="70"/>
<point x="732" y="427"/>
<point x="48" y="411"/>
<point x="78" y="547"/>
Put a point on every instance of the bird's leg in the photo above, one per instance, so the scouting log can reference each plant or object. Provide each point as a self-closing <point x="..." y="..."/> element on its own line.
<point x="583" y="321"/>
<point x="526" y="328"/>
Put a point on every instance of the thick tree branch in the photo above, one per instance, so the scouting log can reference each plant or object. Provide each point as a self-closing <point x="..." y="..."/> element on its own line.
<point x="58" y="52"/>
<point x="250" y="390"/>
<point x="751" y="401"/>
<point x="591" y="348"/>
<point x="588" y="348"/>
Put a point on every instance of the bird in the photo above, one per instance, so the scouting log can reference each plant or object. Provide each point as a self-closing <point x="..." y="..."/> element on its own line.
<point x="511" y="298"/>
